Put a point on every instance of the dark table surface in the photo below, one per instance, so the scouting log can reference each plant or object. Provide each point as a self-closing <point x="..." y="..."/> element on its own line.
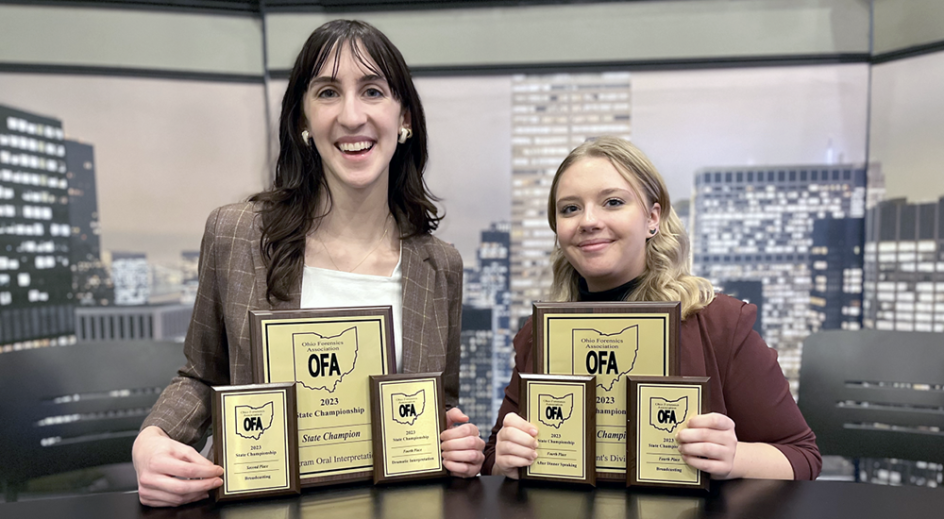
<point x="498" y="498"/>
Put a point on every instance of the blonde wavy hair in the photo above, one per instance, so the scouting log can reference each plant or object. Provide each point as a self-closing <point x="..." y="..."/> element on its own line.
<point x="668" y="274"/>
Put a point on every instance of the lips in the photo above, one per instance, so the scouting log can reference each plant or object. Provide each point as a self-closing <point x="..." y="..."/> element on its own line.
<point x="593" y="245"/>
<point x="355" y="147"/>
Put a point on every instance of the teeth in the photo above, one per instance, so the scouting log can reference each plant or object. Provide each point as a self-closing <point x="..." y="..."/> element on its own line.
<point x="354" y="146"/>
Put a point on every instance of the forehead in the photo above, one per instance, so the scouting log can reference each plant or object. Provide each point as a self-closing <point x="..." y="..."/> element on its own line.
<point x="591" y="175"/>
<point x="345" y="54"/>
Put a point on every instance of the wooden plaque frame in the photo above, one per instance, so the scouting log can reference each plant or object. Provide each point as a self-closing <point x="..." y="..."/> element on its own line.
<point x="289" y="422"/>
<point x="589" y="417"/>
<point x="262" y="323"/>
<point x="377" y="399"/>
<point x="665" y="314"/>
<point x="633" y="449"/>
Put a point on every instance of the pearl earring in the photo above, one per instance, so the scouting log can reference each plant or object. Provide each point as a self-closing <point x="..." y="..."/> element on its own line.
<point x="405" y="133"/>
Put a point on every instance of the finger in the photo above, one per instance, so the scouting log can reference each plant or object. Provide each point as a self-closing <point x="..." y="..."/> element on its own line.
<point x="514" y="449"/>
<point x="190" y="454"/>
<point x="706" y="450"/>
<point x="508" y="462"/>
<point x="455" y="415"/>
<point x="470" y="457"/>
<point x="461" y="470"/>
<point x="468" y="443"/>
<point x="513" y="420"/>
<point x="711" y="421"/>
<point x="701" y="435"/>
<point x="513" y="435"/>
<point x="460" y="432"/>
<point x="184" y="469"/>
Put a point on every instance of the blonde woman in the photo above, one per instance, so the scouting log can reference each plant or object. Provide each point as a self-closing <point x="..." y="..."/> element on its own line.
<point x="618" y="239"/>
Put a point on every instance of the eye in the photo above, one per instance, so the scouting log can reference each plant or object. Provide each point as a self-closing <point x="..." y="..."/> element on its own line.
<point x="567" y="210"/>
<point x="614" y="202"/>
<point x="374" y="92"/>
<point x="327" y="93"/>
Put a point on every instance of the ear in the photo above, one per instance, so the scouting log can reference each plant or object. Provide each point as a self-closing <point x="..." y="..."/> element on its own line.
<point x="405" y="120"/>
<point x="655" y="216"/>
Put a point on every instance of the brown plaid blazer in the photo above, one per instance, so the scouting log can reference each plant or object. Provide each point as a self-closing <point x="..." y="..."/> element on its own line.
<point x="233" y="281"/>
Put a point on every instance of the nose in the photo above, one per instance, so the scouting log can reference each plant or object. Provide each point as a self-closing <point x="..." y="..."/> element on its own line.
<point x="588" y="220"/>
<point x="352" y="114"/>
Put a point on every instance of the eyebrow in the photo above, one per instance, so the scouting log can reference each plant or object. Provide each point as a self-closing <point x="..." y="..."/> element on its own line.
<point x="605" y="192"/>
<point x="366" y="78"/>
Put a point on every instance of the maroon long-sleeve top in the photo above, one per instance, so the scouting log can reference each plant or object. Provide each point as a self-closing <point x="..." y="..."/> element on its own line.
<point x="746" y="382"/>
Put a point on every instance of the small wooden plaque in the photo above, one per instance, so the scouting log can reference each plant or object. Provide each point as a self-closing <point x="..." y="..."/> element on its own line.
<point x="255" y="434"/>
<point x="658" y="408"/>
<point x="407" y="415"/>
<point x="562" y="408"/>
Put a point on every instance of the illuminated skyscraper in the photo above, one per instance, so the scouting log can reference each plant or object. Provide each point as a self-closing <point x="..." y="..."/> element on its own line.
<point x="552" y="115"/>
<point x="836" y="270"/>
<point x="475" y="370"/>
<point x="904" y="266"/>
<point x="36" y="301"/>
<point x="487" y="289"/>
<point x="91" y="282"/>
<point x="130" y="273"/>
<point x="756" y="223"/>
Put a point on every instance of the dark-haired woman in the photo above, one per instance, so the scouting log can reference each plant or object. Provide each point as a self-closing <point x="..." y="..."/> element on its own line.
<point x="618" y="239"/>
<point x="347" y="222"/>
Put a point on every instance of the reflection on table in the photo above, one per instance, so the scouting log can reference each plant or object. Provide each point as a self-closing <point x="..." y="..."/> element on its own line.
<point x="498" y="498"/>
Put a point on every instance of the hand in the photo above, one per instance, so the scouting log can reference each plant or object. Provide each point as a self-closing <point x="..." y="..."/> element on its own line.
<point x="708" y="443"/>
<point x="516" y="446"/>
<point x="169" y="472"/>
<point x="461" y="446"/>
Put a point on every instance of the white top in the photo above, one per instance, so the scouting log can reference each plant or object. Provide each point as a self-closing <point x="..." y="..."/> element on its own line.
<point x="325" y="288"/>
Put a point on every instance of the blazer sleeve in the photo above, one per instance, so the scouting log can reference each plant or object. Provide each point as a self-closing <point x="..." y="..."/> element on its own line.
<point x="183" y="409"/>
<point x="522" y="342"/>
<point x="454" y="331"/>
<point x="757" y="397"/>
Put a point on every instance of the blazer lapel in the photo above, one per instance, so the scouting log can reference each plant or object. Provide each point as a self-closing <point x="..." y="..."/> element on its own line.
<point x="259" y="278"/>
<point x="418" y="285"/>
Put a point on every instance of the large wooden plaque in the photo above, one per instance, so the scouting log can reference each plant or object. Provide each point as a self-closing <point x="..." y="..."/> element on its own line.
<point x="610" y="341"/>
<point x="330" y="354"/>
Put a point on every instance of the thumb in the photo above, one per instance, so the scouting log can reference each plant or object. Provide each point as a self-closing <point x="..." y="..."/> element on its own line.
<point x="455" y="415"/>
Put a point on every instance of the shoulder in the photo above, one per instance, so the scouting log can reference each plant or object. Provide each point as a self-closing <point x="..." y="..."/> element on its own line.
<point x="724" y="306"/>
<point x="442" y="255"/>
<point x="523" y="343"/>
<point x="233" y="220"/>
<point x="728" y="321"/>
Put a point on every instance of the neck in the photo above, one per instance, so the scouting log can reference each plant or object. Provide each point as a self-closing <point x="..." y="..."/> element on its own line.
<point x="611" y="293"/>
<point x="361" y="215"/>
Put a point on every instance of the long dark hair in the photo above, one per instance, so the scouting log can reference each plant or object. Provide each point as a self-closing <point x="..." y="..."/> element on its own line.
<point x="288" y="207"/>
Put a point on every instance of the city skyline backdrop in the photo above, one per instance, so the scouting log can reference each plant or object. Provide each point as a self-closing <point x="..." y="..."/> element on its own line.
<point x="196" y="145"/>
